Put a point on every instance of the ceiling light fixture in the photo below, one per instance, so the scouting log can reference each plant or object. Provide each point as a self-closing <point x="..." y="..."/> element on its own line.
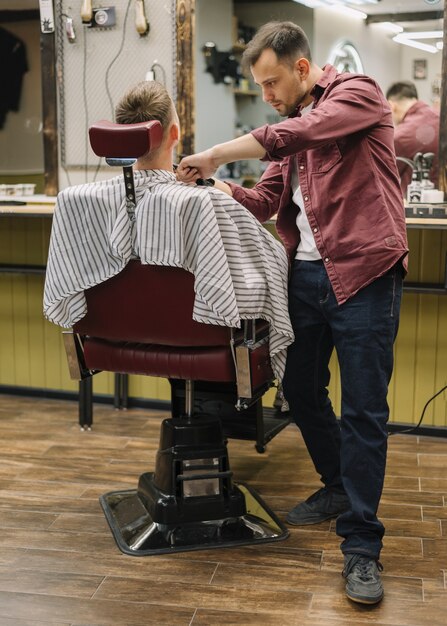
<point x="326" y="3"/>
<point x="428" y="34"/>
<point x="338" y="5"/>
<point x="406" y="41"/>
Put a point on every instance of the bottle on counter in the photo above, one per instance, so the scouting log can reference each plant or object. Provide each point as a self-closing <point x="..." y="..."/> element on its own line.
<point x="414" y="189"/>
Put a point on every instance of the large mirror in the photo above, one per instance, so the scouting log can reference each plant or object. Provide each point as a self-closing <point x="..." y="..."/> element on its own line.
<point x="221" y="110"/>
<point x="21" y="115"/>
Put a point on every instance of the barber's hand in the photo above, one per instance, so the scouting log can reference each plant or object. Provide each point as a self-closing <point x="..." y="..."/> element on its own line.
<point x="188" y="177"/>
<point x="202" y="163"/>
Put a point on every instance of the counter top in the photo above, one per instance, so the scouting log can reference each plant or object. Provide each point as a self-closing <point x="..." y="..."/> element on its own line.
<point x="39" y="205"/>
<point x="27" y="205"/>
<point x="426" y="222"/>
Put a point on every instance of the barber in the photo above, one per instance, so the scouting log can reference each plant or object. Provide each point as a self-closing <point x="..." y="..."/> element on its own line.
<point x="332" y="180"/>
<point x="416" y="129"/>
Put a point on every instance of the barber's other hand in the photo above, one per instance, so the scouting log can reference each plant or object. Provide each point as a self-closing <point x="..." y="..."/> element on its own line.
<point x="189" y="176"/>
<point x="202" y="163"/>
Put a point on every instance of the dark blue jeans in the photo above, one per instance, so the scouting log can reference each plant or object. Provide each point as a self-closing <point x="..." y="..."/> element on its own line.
<point x="350" y="456"/>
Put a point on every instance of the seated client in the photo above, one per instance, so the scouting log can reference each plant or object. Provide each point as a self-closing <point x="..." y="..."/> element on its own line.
<point x="240" y="270"/>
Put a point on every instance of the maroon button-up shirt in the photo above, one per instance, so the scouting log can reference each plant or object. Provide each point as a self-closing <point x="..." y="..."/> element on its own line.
<point x="348" y="175"/>
<point x="418" y="132"/>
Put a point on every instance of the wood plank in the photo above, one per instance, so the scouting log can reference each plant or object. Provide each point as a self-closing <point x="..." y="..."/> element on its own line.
<point x="434" y="513"/>
<point x="49" y="583"/>
<point x="159" y="568"/>
<point x="207" y="617"/>
<point x="314" y="582"/>
<point x="390" y="611"/>
<point x="25" y="606"/>
<point x="150" y="592"/>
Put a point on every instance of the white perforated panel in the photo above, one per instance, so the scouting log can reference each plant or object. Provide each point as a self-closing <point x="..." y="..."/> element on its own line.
<point x="101" y="64"/>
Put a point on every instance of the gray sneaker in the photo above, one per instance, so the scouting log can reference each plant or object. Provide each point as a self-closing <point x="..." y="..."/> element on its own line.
<point x="322" y="505"/>
<point x="363" y="582"/>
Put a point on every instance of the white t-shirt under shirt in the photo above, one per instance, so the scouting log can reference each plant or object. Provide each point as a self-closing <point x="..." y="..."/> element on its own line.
<point x="307" y="250"/>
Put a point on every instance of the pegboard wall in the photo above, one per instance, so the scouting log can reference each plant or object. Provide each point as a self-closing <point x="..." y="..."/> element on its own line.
<point x="97" y="68"/>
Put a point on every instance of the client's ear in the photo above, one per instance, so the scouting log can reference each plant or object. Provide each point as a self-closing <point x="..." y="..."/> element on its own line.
<point x="172" y="136"/>
<point x="174" y="133"/>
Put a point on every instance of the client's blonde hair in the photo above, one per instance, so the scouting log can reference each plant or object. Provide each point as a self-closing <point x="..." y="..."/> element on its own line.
<point x="148" y="100"/>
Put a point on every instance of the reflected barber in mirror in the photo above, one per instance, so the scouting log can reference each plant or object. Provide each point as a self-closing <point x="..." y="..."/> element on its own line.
<point x="333" y="183"/>
<point x="416" y="130"/>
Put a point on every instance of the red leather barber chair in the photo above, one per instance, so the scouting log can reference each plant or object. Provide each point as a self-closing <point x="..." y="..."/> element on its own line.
<point x="134" y="325"/>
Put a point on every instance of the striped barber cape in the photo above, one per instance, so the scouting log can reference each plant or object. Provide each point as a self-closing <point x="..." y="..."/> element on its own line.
<point x="240" y="270"/>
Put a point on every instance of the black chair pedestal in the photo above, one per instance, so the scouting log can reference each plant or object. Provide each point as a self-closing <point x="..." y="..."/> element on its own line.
<point x="190" y="502"/>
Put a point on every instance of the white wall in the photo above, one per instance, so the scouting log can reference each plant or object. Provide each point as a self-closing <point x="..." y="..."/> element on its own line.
<point x="424" y="86"/>
<point x="379" y="54"/>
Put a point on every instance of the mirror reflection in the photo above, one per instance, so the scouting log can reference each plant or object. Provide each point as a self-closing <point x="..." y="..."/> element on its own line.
<point x="389" y="52"/>
<point x="21" y="124"/>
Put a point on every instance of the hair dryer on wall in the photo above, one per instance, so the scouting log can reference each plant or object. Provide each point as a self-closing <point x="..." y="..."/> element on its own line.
<point x="141" y="23"/>
<point x="86" y="11"/>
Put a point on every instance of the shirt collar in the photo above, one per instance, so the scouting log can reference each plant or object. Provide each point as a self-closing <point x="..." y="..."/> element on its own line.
<point x="328" y="76"/>
<point x="154" y="176"/>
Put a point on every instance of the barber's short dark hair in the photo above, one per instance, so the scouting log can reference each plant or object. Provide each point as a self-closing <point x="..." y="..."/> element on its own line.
<point x="287" y="40"/>
<point x="146" y="101"/>
<point x="402" y="90"/>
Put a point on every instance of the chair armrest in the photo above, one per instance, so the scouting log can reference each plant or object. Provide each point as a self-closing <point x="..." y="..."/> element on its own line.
<point x="254" y="375"/>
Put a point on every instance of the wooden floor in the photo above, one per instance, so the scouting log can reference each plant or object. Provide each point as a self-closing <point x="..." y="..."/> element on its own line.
<point x="59" y="564"/>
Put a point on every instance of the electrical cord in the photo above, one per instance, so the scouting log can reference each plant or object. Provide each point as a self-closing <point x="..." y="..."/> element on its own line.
<point x="162" y="69"/>
<point x="115" y="58"/>
<point x="414" y="428"/>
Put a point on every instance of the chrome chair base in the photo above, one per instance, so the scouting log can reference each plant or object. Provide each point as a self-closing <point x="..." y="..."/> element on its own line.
<point x="137" y="534"/>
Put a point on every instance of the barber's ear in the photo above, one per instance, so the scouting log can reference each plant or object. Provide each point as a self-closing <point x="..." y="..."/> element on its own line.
<point x="302" y="66"/>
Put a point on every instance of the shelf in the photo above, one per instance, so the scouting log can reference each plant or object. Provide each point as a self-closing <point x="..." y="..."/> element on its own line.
<point x="246" y="92"/>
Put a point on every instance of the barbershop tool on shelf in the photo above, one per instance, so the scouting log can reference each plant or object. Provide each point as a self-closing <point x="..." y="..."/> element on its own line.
<point x="420" y="181"/>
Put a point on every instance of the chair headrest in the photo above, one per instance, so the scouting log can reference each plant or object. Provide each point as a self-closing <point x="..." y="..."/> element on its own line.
<point x="120" y="141"/>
